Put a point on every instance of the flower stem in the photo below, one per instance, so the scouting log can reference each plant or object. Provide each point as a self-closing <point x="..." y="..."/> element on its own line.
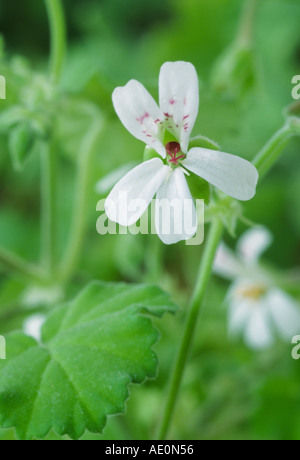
<point x="263" y="162"/>
<point x="79" y="217"/>
<point x="196" y="303"/>
<point x="272" y="150"/>
<point x="17" y="265"/>
<point x="48" y="208"/>
<point x="58" y="37"/>
<point x="245" y="33"/>
<point x="49" y="153"/>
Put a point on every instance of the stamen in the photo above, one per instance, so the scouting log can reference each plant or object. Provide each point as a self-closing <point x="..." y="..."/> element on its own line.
<point x="254" y="292"/>
<point x="173" y="148"/>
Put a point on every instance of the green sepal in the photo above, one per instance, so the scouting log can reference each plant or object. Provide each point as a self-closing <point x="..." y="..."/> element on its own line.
<point x="226" y="208"/>
<point x="203" y="142"/>
<point x="150" y="153"/>
<point x="199" y="188"/>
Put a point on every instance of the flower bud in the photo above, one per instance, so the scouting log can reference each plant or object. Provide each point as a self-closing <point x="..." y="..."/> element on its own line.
<point x="234" y="73"/>
<point x="294" y="123"/>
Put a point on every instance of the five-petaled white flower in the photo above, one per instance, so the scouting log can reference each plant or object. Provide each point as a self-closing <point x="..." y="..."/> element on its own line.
<point x="258" y="309"/>
<point x="165" y="176"/>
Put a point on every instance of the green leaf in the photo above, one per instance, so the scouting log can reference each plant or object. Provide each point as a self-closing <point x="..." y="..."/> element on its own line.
<point x="92" y="349"/>
<point x="11" y="116"/>
<point x="21" y="144"/>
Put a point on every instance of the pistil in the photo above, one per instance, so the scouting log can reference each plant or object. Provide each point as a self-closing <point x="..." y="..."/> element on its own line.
<point x="173" y="149"/>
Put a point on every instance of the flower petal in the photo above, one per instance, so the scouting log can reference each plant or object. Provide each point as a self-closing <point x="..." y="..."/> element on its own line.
<point x="233" y="175"/>
<point x="285" y="313"/>
<point x="175" y="211"/>
<point x="179" y="98"/>
<point x="131" y="196"/>
<point x="226" y="264"/>
<point x="258" y="333"/>
<point x="140" y="114"/>
<point x="238" y="316"/>
<point x="253" y="243"/>
<point x="33" y="326"/>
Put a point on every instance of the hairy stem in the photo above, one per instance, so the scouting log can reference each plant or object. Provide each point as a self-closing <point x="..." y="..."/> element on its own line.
<point x="49" y="153"/>
<point x="48" y="208"/>
<point x="190" y="324"/>
<point x="78" y="225"/>
<point x="58" y="37"/>
<point x="17" y="265"/>
<point x="265" y="159"/>
<point x="270" y="153"/>
<point x="247" y="21"/>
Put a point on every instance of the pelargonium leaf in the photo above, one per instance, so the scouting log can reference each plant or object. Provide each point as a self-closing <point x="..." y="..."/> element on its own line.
<point x="92" y="349"/>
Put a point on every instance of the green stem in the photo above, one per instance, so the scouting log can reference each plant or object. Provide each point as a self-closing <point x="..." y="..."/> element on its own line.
<point x="58" y="37"/>
<point x="18" y="265"/>
<point x="48" y="208"/>
<point x="78" y="226"/>
<point x="49" y="153"/>
<point x="247" y="21"/>
<point x="191" y="322"/>
<point x="263" y="162"/>
<point x="153" y="259"/>
<point x="272" y="150"/>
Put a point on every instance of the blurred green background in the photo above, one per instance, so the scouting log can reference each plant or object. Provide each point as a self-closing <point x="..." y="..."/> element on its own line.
<point x="229" y="392"/>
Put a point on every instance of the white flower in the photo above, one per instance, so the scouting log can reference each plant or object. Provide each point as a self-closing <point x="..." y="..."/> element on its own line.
<point x="165" y="176"/>
<point x="33" y="326"/>
<point x="258" y="309"/>
<point x="35" y="296"/>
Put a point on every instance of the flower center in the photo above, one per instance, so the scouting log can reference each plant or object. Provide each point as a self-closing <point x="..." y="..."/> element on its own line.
<point x="253" y="292"/>
<point x="174" y="151"/>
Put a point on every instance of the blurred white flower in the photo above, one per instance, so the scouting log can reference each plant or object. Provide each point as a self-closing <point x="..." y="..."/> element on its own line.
<point x="258" y="309"/>
<point x="165" y="176"/>
<point x="33" y="326"/>
<point x="36" y="296"/>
